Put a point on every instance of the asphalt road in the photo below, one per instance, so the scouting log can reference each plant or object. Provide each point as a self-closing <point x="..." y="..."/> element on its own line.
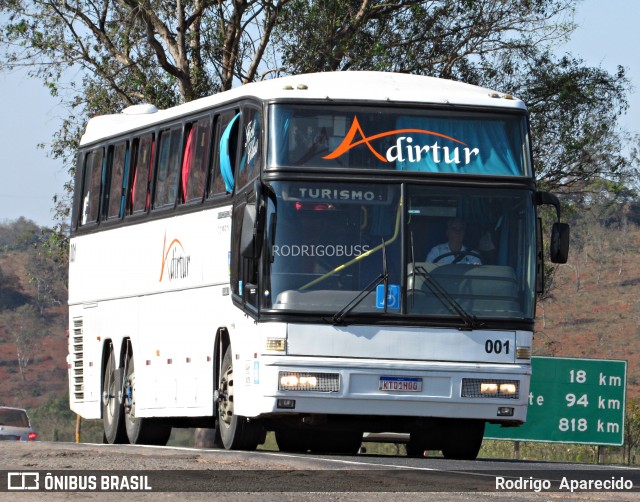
<point x="152" y="473"/>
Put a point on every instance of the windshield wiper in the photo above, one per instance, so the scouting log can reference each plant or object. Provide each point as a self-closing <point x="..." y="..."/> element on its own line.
<point x="470" y="321"/>
<point x="339" y="316"/>
<point x="342" y="313"/>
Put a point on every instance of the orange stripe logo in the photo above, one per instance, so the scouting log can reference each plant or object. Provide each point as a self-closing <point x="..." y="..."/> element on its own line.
<point x="395" y="153"/>
<point x="178" y="265"/>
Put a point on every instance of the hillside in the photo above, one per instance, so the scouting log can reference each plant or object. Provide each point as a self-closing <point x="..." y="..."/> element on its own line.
<point x="594" y="306"/>
<point x="592" y="310"/>
<point x="46" y="366"/>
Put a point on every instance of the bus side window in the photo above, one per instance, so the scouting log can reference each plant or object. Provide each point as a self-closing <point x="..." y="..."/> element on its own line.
<point x="251" y="152"/>
<point x="90" y="202"/>
<point x="141" y="176"/>
<point x="118" y="156"/>
<point x="194" y="161"/>
<point x="224" y="154"/>
<point x="167" y="173"/>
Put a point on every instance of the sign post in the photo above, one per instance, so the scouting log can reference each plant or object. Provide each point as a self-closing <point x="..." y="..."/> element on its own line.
<point x="572" y="401"/>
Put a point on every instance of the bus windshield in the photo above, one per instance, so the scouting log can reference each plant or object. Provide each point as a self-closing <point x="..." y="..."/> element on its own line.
<point x="378" y="249"/>
<point x="407" y="139"/>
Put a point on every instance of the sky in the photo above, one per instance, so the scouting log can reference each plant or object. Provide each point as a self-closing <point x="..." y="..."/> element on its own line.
<point x="607" y="36"/>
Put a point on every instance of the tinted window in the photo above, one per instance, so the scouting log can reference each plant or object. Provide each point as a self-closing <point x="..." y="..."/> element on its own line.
<point x="194" y="163"/>
<point x="169" y="156"/>
<point x="224" y="157"/>
<point x="251" y="153"/>
<point x="404" y="139"/>
<point x="143" y="165"/>
<point x="118" y="155"/>
<point x="91" y="187"/>
<point x="13" y="417"/>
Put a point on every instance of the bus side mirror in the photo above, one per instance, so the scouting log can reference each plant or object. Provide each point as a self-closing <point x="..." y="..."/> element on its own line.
<point x="559" y="246"/>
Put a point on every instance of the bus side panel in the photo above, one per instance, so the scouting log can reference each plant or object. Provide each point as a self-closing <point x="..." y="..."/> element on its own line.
<point x="163" y="285"/>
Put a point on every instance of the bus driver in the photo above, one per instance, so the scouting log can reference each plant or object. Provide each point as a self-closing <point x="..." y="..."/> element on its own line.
<point x="453" y="251"/>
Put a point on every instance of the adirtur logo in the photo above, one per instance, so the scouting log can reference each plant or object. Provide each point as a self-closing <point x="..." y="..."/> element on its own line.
<point x="174" y="260"/>
<point x="404" y="150"/>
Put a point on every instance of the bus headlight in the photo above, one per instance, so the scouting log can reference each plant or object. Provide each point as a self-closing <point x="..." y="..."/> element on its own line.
<point x="508" y="388"/>
<point x="488" y="388"/>
<point x="317" y="382"/>
<point x="501" y="389"/>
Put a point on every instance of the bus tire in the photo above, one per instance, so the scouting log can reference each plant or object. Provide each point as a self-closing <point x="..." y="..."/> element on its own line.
<point x="463" y="439"/>
<point x="112" y="407"/>
<point x="140" y="430"/>
<point x="236" y="432"/>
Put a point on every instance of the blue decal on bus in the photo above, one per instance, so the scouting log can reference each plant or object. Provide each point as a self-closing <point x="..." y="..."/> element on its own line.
<point x="393" y="297"/>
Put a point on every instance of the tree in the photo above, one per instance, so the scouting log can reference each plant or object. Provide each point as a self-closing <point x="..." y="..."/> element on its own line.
<point x="48" y="273"/>
<point x="26" y="326"/>
<point x="574" y="119"/>
<point x="18" y="235"/>
<point x="446" y="38"/>
<point x="501" y="45"/>
<point x="104" y="55"/>
<point x="131" y="51"/>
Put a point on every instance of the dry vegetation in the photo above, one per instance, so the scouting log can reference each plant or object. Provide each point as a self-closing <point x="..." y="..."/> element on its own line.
<point x="592" y="310"/>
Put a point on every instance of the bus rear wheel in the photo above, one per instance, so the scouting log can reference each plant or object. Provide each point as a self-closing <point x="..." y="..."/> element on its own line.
<point x="112" y="408"/>
<point x="140" y="430"/>
<point x="236" y="432"/>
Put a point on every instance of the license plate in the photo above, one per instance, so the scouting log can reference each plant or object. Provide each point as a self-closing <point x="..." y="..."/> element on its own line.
<point x="400" y="384"/>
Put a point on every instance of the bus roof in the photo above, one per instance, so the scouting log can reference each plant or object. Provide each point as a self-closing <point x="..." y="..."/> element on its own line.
<point x="355" y="86"/>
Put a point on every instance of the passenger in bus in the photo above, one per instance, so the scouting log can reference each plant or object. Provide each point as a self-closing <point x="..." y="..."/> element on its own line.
<point x="453" y="251"/>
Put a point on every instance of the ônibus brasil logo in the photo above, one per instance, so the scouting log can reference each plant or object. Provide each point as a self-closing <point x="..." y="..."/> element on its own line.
<point x="174" y="260"/>
<point x="404" y="150"/>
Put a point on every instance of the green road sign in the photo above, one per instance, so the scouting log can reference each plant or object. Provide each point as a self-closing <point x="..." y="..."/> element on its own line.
<point x="572" y="401"/>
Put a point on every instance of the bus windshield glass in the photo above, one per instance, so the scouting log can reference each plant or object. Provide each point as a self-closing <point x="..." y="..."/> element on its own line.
<point x="406" y="139"/>
<point x="384" y="250"/>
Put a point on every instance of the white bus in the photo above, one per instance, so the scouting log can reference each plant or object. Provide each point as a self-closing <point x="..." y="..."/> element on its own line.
<point x="261" y="260"/>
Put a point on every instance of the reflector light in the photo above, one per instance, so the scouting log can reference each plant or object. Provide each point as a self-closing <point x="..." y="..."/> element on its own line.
<point x="276" y="344"/>
<point x="523" y="352"/>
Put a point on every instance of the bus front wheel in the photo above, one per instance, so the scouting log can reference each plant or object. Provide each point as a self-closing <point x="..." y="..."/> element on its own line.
<point x="236" y="432"/>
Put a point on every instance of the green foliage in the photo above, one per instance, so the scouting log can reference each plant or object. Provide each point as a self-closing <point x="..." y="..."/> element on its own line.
<point x="26" y="327"/>
<point x="54" y="421"/>
<point x="11" y="294"/>
<point x="123" y="53"/>
<point x="18" y="235"/>
<point x="632" y="430"/>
